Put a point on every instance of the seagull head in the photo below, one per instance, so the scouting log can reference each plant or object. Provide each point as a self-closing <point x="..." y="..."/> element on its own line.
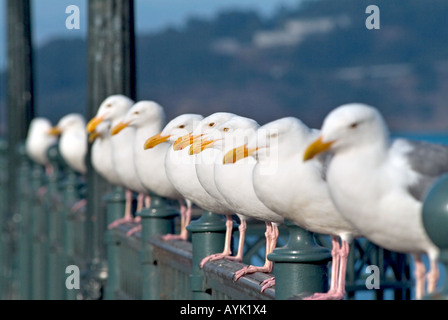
<point x="200" y="137"/>
<point x="114" y="108"/>
<point x="347" y="127"/>
<point x="70" y="122"/>
<point x="175" y="129"/>
<point x="286" y="135"/>
<point x="143" y="113"/>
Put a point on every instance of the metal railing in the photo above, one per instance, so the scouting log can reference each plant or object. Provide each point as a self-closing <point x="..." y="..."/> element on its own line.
<point x="46" y="235"/>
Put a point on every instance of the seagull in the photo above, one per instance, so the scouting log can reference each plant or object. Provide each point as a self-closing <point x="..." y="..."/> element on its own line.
<point x="379" y="184"/>
<point x="181" y="170"/>
<point x="298" y="191"/>
<point x="73" y="141"/>
<point x="114" y="109"/>
<point x="148" y="118"/>
<point x="38" y="141"/>
<point x="73" y="146"/>
<point x="101" y="153"/>
<point x="162" y="143"/>
<point x="234" y="182"/>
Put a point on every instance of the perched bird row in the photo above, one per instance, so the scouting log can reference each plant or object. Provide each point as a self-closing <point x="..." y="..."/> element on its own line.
<point x="347" y="180"/>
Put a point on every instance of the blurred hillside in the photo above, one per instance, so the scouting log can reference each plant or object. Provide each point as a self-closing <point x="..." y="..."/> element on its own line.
<point x="299" y="62"/>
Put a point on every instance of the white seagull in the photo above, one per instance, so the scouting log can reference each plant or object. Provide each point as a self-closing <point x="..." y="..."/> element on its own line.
<point x="162" y="143"/>
<point x="38" y="141"/>
<point x="101" y="153"/>
<point x="114" y="109"/>
<point x="73" y="141"/>
<point x="181" y="169"/>
<point x="378" y="185"/>
<point x="234" y="182"/>
<point x="298" y="191"/>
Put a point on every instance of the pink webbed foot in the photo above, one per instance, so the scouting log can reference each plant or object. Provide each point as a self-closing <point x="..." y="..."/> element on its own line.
<point x="121" y="221"/>
<point x="182" y="236"/>
<point x="250" y="270"/>
<point x="218" y="256"/>
<point x="268" y="283"/>
<point x="79" y="204"/>
<point x="134" y="230"/>
<point x="330" y="295"/>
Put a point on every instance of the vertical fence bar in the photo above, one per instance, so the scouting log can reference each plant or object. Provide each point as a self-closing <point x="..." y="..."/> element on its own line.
<point x="111" y="70"/>
<point x="38" y="234"/>
<point x="55" y="280"/>
<point x="300" y="266"/>
<point x="3" y="217"/>
<point x="115" y="208"/>
<point x="20" y="83"/>
<point x="70" y="196"/>
<point x="207" y="236"/>
<point x="157" y="220"/>
<point x="24" y="228"/>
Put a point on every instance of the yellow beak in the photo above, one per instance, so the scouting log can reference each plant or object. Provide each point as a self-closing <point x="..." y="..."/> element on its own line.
<point x="91" y="126"/>
<point x="315" y="148"/>
<point x="55" y="131"/>
<point x="199" y="146"/>
<point x="185" y="141"/>
<point x="155" y="140"/>
<point x="117" y="129"/>
<point x="237" y="154"/>
<point x="93" y="136"/>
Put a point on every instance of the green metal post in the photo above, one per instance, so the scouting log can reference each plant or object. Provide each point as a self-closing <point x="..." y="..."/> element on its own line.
<point x="24" y="224"/>
<point x="115" y="206"/>
<point x="207" y="237"/>
<point x="3" y="217"/>
<point x="157" y="220"/>
<point x="20" y="84"/>
<point x="111" y="70"/>
<point x="38" y="229"/>
<point x="70" y="196"/>
<point x="55" y="263"/>
<point x="435" y="220"/>
<point x="300" y="267"/>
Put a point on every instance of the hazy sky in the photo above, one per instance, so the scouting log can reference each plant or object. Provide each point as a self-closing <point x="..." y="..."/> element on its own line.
<point x="49" y="15"/>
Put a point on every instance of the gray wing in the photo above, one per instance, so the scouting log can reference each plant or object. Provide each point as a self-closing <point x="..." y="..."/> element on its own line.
<point x="429" y="160"/>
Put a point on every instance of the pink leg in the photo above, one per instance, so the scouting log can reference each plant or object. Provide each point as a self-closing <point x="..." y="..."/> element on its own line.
<point x="339" y="267"/>
<point x="140" y="201"/>
<point x="79" y="204"/>
<point x="184" y="213"/>
<point x="419" y="277"/>
<point x="271" y="235"/>
<point x="49" y="169"/>
<point x="227" y="251"/>
<point x="147" y="201"/>
<point x="433" y="275"/>
<point x="127" y="212"/>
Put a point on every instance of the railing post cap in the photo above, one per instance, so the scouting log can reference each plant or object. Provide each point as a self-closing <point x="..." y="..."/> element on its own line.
<point x="301" y="248"/>
<point x="208" y="222"/>
<point x="435" y="213"/>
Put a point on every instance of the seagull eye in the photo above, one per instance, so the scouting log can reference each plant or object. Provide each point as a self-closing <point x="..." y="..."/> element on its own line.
<point x="211" y="124"/>
<point x="274" y="135"/>
<point x="181" y="126"/>
<point x="108" y="105"/>
<point x="354" y="125"/>
<point x="226" y="129"/>
<point x="136" y="112"/>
